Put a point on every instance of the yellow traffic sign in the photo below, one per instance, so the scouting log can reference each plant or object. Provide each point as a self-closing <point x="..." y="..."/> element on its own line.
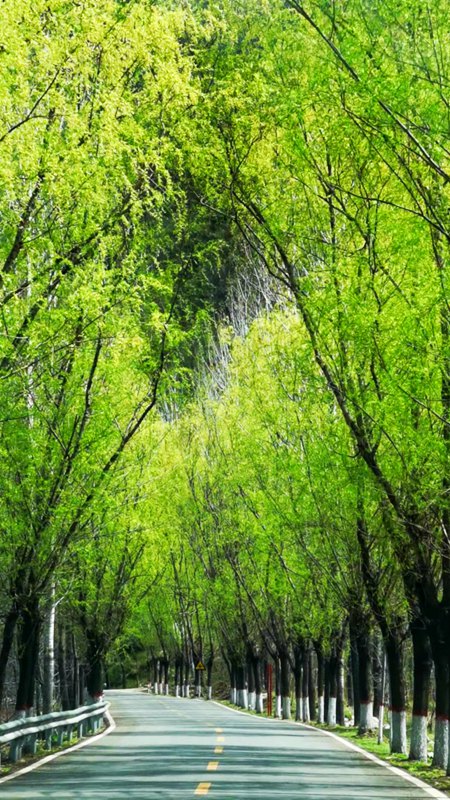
<point x="200" y="665"/>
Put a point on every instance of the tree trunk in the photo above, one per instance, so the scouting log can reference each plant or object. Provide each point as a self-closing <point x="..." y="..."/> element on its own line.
<point x="395" y="659"/>
<point x="365" y="679"/>
<point x="76" y="685"/>
<point x="62" y="669"/>
<point x="187" y="678"/>
<point x="285" y="686"/>
<point x="80" y="684"/>
<point x="198" y="680"/>
<point x="355" y="674"/>
<point x="421" y="691"/>
<point x="233" y="683"/>
<point x="306" y="663"/>
<point x="333" y="665"/>
<point x="48" y="687"/>
<point x="340" y="699"/>
<point x="251" y="683"/>
<point x="441" y="672"/>
<point x="311" y="689"/>
<point x="278" y="703"/>
<point x="161" y="676"/>
<point x="9" y="630"/>
<point x="94" y="677"/>
<point x="242" y="696"/>
<point x="178" y="679"/>
<point x="258" y="684"/>
<point x="209" y="668"/>
<point x="377" y="670"/>
<point x="28" y="655"/>
<point x="320" y="683"/>
<point x="298" y="657"/>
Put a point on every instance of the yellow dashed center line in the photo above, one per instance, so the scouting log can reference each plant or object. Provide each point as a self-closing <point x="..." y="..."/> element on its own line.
<point x="203" y="788"/>
<point x="219" y="730"/>
<point x="218" y="750"/>
<point x="212" y="766"/>
<point x="221" y="738"/>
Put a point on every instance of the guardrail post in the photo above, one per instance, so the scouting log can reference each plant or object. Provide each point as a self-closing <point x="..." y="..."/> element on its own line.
<point x="15" y="750"/>
<point x="30" y="744"/>
<point x="60" y="736"/>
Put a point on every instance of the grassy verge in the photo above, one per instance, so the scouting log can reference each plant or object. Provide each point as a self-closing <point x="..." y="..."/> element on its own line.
<point x="426" y="772"/>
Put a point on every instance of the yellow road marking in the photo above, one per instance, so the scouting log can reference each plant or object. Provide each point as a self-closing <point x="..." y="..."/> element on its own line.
<point x="221" y="738"/>
<point x="218" y="750"/>
<point x="203" y="788"/>
<point x="219" y="730"/>
<point x="212" y="766"/>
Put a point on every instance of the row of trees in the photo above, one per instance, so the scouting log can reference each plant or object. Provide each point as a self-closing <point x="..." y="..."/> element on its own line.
<point x="225" y="394"/>
<point x="103" y="262"/>
<point x="326" y="132"/>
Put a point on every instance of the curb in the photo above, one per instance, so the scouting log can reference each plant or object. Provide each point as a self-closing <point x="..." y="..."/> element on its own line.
<point x="84" y="743"/>
<point x="430" y="790"/>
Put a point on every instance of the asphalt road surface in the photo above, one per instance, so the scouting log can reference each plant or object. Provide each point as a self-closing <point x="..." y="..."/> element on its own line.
<point x="180" y="749"/>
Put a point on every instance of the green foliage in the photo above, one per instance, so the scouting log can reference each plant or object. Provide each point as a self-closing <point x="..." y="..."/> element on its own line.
<point x="225" y="346"/>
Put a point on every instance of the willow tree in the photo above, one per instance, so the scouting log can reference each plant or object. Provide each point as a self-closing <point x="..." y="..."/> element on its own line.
<point x="336" y="172"/>
<point x="92" y="117"/>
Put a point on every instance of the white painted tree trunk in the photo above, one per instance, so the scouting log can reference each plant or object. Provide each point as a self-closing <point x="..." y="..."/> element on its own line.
<point x="166" y="688"/>
<point x="366" y="717"/>
<point x="418" y="750"/>
<point x="306" y="716"/>
<point x="233" y="695"/>
<point x="298" y="709"/>
<point x="259" y="703"/>
<point x="380" y="723"/>
<point x="161" y="688"/>
<point x="441" y="748"/>
<point x="321" y="710"/>
<point x="252" y="700"/>
<point x="381" y="707"/>
<point x="177" y="691"/>
<point x="48" y="689"/>
<point x="331" y="711"/>
<point x="286" y="708"/>
<point x="156" y="687"/>
<point x="243" y="698"/>
<point x="210" y="693"/>
<point x="448" y="751"/>
<point x="278" y="706"/>
<point x="188" y="690"/>
<point x="398" y="732"/>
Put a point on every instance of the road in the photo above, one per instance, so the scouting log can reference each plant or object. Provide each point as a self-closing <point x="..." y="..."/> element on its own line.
<point x="180" y="749"/>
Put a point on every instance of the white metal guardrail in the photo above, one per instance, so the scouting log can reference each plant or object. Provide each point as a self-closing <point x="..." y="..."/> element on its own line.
<point x="22" y="734"/>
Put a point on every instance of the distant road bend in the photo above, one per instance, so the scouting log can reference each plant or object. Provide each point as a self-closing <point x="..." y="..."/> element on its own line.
<point x="176" y="749"/>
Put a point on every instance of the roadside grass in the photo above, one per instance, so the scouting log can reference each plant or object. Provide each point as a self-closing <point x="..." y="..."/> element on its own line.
<point x="426" y="772"/>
